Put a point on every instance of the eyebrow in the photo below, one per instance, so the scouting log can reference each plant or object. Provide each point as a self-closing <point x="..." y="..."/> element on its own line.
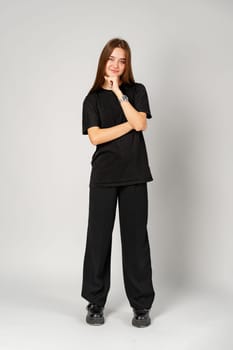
<point x="124" y="59"/>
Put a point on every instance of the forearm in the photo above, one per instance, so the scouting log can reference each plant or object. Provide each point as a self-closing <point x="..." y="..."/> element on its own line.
<point x="135" y="118"/>
<point x="101" y="135"/>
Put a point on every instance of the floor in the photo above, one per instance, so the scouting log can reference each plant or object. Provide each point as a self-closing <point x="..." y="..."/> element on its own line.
<point x="50" y="317"/>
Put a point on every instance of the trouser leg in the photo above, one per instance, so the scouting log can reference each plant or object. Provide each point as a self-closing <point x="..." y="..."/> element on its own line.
<point x="137" y="271"/>
<point x="97" y="259"/>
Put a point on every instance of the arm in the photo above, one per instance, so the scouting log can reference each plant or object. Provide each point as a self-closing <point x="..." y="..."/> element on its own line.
<point x="99" y="135"/>
<point x="135" y="118"/>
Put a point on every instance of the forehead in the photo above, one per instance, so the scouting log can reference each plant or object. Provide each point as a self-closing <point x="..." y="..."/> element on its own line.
<point x="118" y="52"/>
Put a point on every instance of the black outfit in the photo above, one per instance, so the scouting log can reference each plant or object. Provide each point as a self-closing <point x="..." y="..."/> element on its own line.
<point x="120" y="172"/>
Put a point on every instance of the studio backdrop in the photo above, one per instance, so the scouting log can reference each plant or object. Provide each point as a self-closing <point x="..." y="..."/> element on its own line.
<point x="182" y="52"/>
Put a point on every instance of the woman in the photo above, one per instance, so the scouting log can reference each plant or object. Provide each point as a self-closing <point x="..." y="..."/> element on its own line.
<point x="115" y="113"/>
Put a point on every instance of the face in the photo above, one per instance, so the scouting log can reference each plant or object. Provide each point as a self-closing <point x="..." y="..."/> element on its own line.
<point x="115" y="65"/>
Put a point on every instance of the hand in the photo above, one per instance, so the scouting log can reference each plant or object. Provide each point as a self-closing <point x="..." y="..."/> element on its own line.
<point x="112" y="82"/>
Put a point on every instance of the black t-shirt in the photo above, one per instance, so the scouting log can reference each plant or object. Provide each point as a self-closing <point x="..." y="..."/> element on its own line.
<point x="122" y="161"/>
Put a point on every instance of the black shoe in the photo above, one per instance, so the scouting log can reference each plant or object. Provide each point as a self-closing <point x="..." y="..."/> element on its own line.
<point x="141" y="318"/>
<point x="95" y="315"/>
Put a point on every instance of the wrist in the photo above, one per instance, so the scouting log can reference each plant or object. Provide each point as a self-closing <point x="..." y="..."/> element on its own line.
<point x="118" y="93"/>
<point x="123" y="98"/>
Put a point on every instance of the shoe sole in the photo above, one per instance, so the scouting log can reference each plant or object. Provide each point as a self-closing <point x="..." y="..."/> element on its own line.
<point x="141" y="323"/>
<point x="95" y="321"/>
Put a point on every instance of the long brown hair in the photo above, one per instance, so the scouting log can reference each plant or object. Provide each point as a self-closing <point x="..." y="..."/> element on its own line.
<point x="127" y="76"/>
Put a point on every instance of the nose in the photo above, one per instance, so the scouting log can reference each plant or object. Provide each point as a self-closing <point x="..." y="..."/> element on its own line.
<point x="115" y="64"/>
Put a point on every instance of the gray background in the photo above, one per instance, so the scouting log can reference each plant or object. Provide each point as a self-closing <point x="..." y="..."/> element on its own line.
<point x="182" y="51"/>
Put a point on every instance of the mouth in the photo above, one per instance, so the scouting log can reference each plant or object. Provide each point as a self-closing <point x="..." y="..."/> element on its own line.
<point x="114" y="71"/>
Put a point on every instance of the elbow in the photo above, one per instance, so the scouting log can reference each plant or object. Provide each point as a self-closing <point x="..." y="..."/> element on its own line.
<point x="93" y="135"/>
<point x="141" y="126"/>
<point x="94" y="143"/>
<point x="93" y="140"/>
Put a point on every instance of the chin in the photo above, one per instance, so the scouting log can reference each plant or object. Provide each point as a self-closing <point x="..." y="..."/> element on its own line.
<point x="112" y="74"/>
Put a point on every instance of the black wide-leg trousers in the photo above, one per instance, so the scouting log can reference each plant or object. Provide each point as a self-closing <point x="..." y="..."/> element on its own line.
<point x="137" y="272"/>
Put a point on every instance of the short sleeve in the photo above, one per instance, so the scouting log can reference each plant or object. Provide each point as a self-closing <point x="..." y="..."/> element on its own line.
<point x="141" y="102"/>
<point x="90" y="115"/>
